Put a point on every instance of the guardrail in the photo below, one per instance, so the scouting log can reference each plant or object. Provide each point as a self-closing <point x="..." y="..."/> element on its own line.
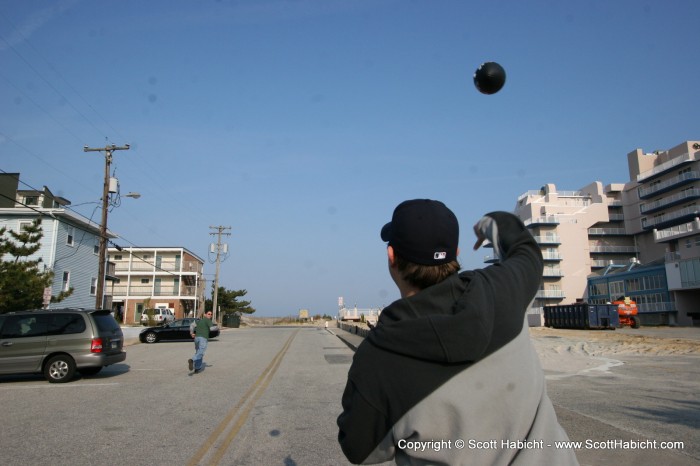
<point x="354" y="329"/>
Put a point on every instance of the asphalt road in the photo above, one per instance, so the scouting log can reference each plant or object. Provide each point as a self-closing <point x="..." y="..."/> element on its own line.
<point x="627" y="397"/>
<point x="650" y="399"/>
<point x="271" y="396"/>
<point x="267" y="396"/>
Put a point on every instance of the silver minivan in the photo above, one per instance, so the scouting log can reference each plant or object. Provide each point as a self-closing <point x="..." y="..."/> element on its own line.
<point x="59" y="342"/>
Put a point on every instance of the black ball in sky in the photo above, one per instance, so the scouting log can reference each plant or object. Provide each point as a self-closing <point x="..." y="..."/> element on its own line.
<point x="489" y="78"/>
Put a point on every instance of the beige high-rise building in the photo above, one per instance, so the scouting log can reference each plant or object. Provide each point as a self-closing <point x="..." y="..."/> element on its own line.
<point x="655" y="216"/>
<point x="662" y="210"/>
<point x="579" y="232"/>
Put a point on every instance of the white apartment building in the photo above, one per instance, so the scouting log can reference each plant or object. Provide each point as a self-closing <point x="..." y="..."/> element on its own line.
<point x="662" y="210"/>
<point x="157" y="277"/>
<point x="579" y="232"/>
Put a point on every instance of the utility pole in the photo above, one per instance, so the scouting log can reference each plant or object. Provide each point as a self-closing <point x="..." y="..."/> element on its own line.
<point x="219" y="231"/>
<point x="99" y="300"/>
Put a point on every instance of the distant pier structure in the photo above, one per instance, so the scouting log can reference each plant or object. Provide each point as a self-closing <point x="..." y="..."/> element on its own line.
<point x="354" y="314"/>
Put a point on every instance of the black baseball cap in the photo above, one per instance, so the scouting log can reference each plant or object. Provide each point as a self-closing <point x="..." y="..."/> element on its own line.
<point x="423" y="231"/>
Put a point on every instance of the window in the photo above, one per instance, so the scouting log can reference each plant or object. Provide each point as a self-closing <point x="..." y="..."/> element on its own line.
<point x="633" y="285"/>
<point x="23" y="226"/>
<point x="93" y="287"/>
<point x="617" y="289"/>
<point x="96" y="247"/>
<point x="63" y="324"/>
<point x="598" y="289"/>
<point x="19" y="326"/>
<point x="65" y="286"/>
<point x="117" y="257"/>
<point x="31" y="200"/>
<point x="145" y="281"/>
<point x="71" y="235"/>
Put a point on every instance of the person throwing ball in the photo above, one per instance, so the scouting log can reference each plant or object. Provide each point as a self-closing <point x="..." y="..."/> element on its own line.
<point x="449" y="375"/>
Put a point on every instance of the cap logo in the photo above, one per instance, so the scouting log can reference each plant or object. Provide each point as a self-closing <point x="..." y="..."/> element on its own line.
<point x="440" y="255"/>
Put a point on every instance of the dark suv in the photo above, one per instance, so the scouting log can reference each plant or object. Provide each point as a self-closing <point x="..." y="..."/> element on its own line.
<point x="57" y="342"/>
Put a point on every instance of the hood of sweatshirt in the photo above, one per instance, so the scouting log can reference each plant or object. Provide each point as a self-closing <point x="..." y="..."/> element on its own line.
<point x="450" y="322"/>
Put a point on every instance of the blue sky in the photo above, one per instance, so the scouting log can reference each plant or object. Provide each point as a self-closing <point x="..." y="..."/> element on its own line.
<point x="302" y="124"/>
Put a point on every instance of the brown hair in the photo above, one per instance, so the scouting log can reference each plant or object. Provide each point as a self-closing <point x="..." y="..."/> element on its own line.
<point x="423" y="276"/>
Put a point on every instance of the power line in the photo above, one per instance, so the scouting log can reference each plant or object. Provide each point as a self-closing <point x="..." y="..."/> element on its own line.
<point x="48" y="83"/>
<point x="57" y="170"/>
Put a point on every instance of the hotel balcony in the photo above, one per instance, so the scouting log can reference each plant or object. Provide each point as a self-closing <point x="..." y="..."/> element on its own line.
<point x="548" y="239"/>
<point x="671" y="219"/>
<point x="668" y="185"/>
<point x="606" y="232"/>
<point x="599" y="264"/>
<point x="552" y="272"/>
<point x="550" y="294"/>
<point x="547" y="220"/>
<point x="163" y="290"/>
<point x="678" y="231"/>
<point x="670" y="201"/>
<point x="613" y="249"/>
<point x="138" y="266"/>
<point x="666" y="167"/>
<point x="551" y="256"/>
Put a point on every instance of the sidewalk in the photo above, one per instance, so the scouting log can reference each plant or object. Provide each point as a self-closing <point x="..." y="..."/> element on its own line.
<point x="580" y="426"/>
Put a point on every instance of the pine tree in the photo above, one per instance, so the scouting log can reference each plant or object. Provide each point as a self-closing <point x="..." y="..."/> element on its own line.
<point x="22" y="282"/>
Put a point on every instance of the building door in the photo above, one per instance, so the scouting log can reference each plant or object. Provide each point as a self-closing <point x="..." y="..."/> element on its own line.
<point x="138" y="312"/>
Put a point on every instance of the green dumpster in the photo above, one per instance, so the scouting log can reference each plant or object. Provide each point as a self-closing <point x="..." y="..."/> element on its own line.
<point x="232" y="320"/>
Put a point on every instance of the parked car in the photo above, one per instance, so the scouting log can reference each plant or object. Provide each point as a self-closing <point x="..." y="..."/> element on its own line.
<point x="59" y="342"/>
<point x="175" y="330"/>
<point x="160" y="316"/>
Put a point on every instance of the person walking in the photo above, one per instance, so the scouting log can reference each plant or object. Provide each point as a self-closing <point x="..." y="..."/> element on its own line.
<point x="201" y="340"/>
<point x="449" y="375"/>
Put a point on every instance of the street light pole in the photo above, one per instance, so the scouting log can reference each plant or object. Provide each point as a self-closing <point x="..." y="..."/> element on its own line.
<point x="102" y="258"/>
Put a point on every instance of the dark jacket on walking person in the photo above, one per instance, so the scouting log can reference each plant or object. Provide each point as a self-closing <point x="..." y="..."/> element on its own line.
<point x="449" y="375"/>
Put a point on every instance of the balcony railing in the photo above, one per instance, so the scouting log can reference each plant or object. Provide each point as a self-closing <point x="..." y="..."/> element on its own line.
<point x="551" y="256"/>
<point x="550" y="294"/>
<point x="547" y="220"/>
<point x="606" y="231"/>
<point x="604" y="263"/>
<point x="688" y="211"/>
<point x="614" y="249"/>
<point x="666" y="166"/>
<point x="144" y="290"/>
<point x="680" y="179"/>
<point x="677" y="231"/>
<point x="671" y="200"/>
<point x="549" y="272"/>
<point x="139" y="266"/>
<point x="548" y="239"/>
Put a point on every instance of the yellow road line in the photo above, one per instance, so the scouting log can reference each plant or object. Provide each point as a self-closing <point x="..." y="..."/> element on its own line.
<point x="257" y="389"/>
